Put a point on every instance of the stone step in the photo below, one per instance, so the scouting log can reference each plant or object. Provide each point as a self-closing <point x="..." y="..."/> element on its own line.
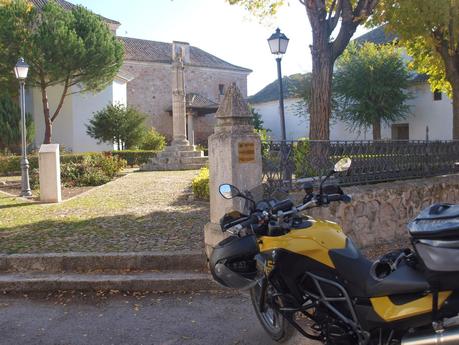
<point x="193" y="166"/>
<point x="143" y="281"/>
<point x="90" y="262"/>
<point x="194" y="160"/>
<point x="167" y="160"/>
<point x="163" y="154"/>
<point x="180" y="148"/>
<point x="170" y="167"/>
<point x="192" y="154"/>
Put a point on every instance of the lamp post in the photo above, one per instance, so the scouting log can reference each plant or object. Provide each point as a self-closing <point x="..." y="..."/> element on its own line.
<point x="20" y="70"/>
<point x="278" y="43"/>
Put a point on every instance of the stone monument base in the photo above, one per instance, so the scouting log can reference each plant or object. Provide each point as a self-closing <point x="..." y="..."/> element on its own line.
<point x="213" y="234"/>
<point x="177" y="157"/>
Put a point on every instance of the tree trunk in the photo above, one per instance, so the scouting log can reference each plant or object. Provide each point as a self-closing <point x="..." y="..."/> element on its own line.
<point x="451" y="62"/>
<point x="48" y="122"/>
<point x="452" y="74"/>
<point x="320" y="108"/>
<point x="321" y="88"/>
<point x="377" y="129"/>
<point x="456" y="110"/>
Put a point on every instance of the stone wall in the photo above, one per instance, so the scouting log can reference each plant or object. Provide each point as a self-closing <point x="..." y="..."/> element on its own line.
<point x="379" y="213"/>
<point x="151" y="92"/>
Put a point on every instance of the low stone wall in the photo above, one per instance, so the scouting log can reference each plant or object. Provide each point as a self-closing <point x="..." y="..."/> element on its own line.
<point x="379" y="213"/>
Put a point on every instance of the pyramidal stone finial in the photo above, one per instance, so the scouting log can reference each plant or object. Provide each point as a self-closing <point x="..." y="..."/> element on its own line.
<point x="233" y="104"/>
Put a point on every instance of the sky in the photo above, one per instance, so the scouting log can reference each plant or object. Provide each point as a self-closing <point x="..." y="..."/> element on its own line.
<point x="229" y="32"/>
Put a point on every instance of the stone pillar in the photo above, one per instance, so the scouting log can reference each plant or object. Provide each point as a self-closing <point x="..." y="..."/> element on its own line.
<point x="178" y="100"/>
<point x="234" y="157"/>
<point x="50" y="173"/>
<point x="190" y="127"/>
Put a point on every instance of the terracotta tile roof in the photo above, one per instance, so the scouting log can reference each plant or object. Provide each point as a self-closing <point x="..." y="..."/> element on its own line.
<point x="199" y="103"/>
<point x="195" y="100"/>
<point x="68" y="6"/>
<point x="152" y="51"/>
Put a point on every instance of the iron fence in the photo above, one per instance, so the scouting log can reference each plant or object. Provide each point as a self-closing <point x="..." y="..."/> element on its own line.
<point x="287" y="164"/>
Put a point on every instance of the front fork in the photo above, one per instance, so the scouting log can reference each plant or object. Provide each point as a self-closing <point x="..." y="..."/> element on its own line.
<point x="261" y="302"/>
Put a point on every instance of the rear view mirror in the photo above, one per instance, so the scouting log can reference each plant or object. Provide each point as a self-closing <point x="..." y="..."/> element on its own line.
<point x="228" y="191"/>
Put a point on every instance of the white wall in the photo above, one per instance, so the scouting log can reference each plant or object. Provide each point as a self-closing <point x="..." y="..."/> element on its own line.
<point x="437" y="115"/>
<point x="425" y="112"/>
<point x="298" y="126"/>
<point x="84" y="106"/>
<point x="62" y="132"/>
<point x="295" y="126"/>
<point x="69" y="130"/>
<point x="119" y="92"/>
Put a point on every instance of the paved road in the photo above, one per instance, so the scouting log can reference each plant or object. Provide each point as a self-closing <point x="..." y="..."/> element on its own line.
<point x="142" y="319"/>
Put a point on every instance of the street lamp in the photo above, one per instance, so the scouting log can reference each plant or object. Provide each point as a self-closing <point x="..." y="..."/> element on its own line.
<point x="278" y="43"/>
<point x="20" y="70"/>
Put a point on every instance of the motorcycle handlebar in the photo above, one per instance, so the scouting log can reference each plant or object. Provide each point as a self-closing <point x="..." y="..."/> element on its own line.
<point x="253" y="219"/>
<point x="257" y="216"/>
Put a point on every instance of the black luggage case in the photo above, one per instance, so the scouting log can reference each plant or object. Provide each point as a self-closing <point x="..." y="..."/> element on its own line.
<point x="435" y="237"/>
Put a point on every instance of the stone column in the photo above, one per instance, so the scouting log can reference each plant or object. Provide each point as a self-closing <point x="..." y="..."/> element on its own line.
<point x="234" y="157"/>
<point x="178" y="100"/>
<point x="190" y="127"/>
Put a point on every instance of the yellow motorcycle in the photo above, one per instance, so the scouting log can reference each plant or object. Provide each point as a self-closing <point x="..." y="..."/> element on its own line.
<point x="305" y="275"/>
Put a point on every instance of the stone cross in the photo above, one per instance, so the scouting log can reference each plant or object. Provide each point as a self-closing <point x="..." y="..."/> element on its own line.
<point x="234" y="158"/>
<point x="178" y="100"/>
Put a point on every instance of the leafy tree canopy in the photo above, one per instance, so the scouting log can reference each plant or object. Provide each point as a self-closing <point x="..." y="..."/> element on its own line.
<point x="333" y="23"/>
<point x="429" y="30"/>
<point x="67" y="48"/>
<point x="370" y="86"/>
<point x="257" y="120"/>
<point x="10" y="125"/>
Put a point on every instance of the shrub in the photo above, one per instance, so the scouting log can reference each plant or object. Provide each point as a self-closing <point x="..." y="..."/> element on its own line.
<point x="301" y="159"/>
<point x="11" y="165"/>
<point x="118" y="124"/>
<point x="265" y="139"/>
<point x="153" y="141"/>
<point x="200" y="184"/>
<point x="10" y="125"/>
<point x="135" y="157"/>
<point x="83" y="170"/>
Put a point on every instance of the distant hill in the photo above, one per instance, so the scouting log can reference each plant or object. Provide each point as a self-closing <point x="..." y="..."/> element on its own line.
<point x="292" y="88"/>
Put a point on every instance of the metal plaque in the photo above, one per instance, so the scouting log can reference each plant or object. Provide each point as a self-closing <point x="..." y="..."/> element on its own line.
<point x="246" y="152"/>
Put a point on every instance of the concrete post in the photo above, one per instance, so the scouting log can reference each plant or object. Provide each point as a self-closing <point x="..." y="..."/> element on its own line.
<point x="50" y="173"/>
<point x="234" y="157"/>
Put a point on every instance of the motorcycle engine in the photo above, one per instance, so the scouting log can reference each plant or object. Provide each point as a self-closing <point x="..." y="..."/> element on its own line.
<point x="334" y="331"/>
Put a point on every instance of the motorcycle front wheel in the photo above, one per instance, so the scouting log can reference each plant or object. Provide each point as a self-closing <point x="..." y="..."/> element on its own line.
<point x="278" y="328"/>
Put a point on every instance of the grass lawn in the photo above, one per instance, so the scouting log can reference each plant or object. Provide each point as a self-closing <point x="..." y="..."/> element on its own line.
<point x="147" y="211"/>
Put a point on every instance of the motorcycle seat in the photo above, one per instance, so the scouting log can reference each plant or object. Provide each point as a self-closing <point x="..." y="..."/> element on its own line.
<point x="355" y="270"/>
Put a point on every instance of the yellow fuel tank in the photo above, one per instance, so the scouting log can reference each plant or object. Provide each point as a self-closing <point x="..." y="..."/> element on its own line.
<point x="314" y="242"/>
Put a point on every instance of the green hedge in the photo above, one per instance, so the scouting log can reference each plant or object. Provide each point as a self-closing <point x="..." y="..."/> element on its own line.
<point x="84" y="170"/>
<point x="200" y="184"/>
<point x="135" y="157"/>
<point x="11" y="165"/>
